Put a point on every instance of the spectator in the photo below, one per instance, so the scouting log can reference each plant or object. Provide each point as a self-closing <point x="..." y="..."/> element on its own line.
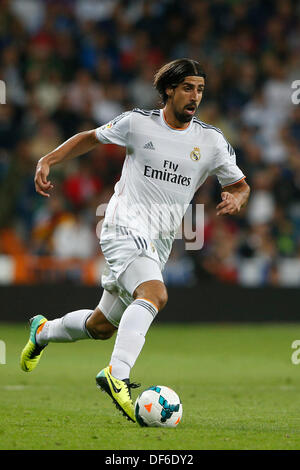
<point x="82" y="91"/>
<point x="72" y="238"/>
<point x="81" y="186"/>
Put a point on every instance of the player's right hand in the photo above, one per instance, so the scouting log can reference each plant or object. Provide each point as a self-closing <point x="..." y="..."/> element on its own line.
<point x="42" y="185"/>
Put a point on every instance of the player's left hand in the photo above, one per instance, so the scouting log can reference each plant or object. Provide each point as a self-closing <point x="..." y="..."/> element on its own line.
<point x="229" y="204"/>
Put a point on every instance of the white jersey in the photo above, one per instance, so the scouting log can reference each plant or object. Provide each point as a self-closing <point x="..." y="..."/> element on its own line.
<point x="163" y="169"/>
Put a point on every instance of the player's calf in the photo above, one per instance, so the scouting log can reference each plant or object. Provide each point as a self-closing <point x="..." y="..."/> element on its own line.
<point x="99" y="327"/>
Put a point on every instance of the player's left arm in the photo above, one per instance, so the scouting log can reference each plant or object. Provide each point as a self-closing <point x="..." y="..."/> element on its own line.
<point x="234" y="197"/>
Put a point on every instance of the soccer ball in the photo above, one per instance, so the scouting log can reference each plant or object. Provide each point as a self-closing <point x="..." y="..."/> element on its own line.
<point x="158" y="406"/>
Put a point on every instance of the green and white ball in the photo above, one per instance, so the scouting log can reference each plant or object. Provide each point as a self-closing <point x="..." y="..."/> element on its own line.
<point x="158" y="406"/>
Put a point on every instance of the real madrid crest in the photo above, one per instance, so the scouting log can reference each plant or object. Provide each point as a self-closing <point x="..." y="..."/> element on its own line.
<point x="195" y="154"/>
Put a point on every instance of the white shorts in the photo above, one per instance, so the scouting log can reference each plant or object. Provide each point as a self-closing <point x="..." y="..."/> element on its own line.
<point x="131" y="259"/>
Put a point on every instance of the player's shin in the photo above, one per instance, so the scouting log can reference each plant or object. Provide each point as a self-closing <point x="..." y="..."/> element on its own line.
<point x="130" y="340"/>
<point x="69" y="328"/>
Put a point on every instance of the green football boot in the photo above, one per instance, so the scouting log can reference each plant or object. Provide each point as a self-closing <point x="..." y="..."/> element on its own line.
<point x="32" y="352"/>
<point x="118" y="390"/>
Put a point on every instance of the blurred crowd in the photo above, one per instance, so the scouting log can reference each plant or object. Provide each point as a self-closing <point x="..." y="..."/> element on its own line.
<point x="72" y="65"/>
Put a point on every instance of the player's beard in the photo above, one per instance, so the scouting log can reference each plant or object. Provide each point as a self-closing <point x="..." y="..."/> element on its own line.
<point x="182" y="117"/>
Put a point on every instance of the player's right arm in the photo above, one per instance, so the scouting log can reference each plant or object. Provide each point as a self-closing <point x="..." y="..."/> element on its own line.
<point x="115" y="132"/>
<point x="77" y="145"/>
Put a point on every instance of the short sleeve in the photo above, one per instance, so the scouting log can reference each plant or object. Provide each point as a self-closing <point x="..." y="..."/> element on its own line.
<point x="224" y="163"/>
<point x="115" y="131"/>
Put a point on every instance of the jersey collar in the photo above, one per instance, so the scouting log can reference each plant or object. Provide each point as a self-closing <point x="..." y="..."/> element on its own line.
<point x="174" y="129"/>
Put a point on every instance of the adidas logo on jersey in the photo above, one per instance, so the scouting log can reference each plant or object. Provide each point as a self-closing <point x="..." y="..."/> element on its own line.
<point x="149" y="146"/>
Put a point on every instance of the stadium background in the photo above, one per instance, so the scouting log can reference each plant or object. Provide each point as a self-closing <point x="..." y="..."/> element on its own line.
<point x="70" y="66"/>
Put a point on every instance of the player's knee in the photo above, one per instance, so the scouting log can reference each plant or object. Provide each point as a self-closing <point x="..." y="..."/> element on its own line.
<point x="161" y="299"/>
<point x="155" y="291"/>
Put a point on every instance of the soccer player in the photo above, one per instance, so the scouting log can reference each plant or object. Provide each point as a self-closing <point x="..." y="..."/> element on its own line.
<point x="170" y="154"/>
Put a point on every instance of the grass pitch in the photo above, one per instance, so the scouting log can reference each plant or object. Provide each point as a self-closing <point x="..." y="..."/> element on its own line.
<point x="237" y="383"/>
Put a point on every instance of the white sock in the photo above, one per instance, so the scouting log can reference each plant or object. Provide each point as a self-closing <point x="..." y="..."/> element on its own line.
<point x="130" y="340"/>
<point x="69" y="328"/>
